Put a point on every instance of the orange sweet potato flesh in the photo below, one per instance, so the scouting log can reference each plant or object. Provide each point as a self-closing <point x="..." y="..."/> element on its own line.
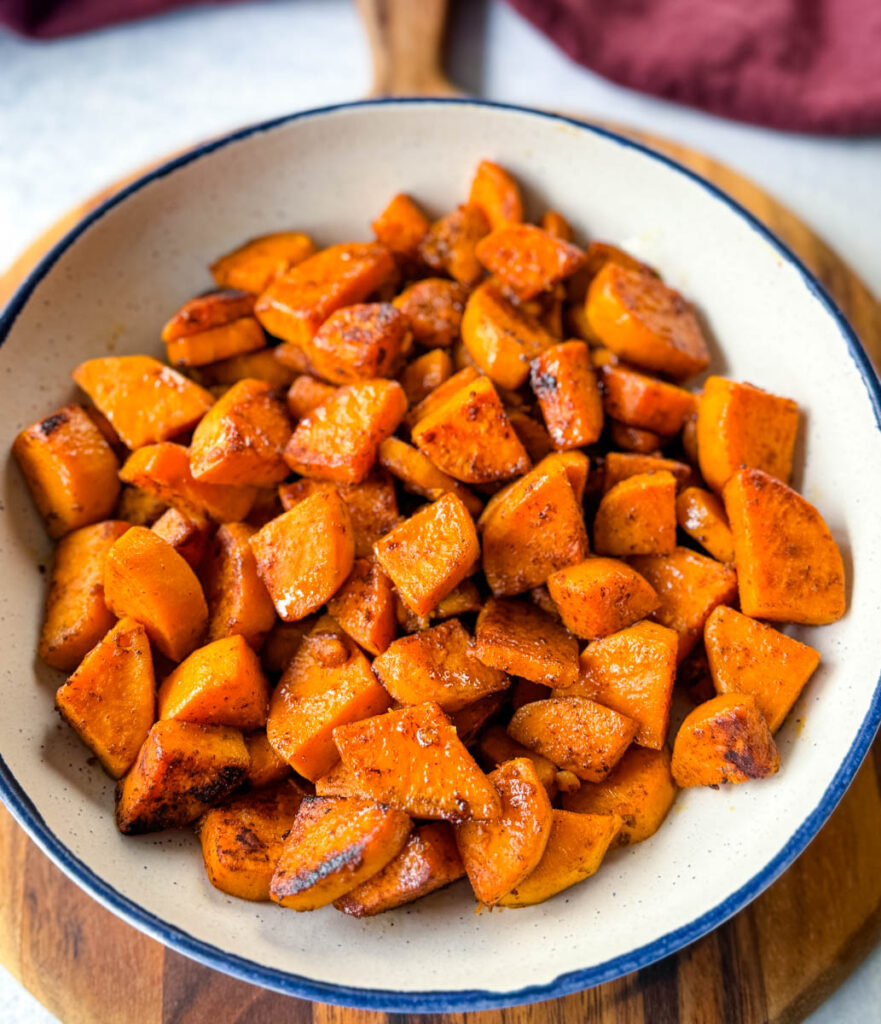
<point x="259" y="365"/>
<point x="439" y="665"/>
<point x="470" y="720"/>
<point x="434" y="308"/>
<point x="110" y="699"/>
<point x="144" y="400"/>
<point x="284" y="641"/>
<point x="644" y="402"/>
<point x="304" y="555"/>
<point x="497" y="194"/>
<point x="522" y="640"/>
<point x="533" y="435"/>
<point x="189" y="534"/>
<point x="566" y="387"/>
<point x="449" y="246"/>
<point x="180" y="771"/>
<point x="556" y="224"/>
<point x="429" y="861"/>
<point x="746" y="656"/>
<point x="620" y="465"/>
<point x="576" y="733"/>
<point x="296" y="304"/>
<point x="359" y="342"/>
<point x="70" y="469"/>
<point x="206" y="312"/>
<point x="265" y="766"/>
<point x="413" y="759"/>
<point x="425" y="373"/>
<point x="238" y="601"/>
<point x="634" y="439"/>
<point x="701" y="515"/>
<point x="139" y="507"/>
<point x="306" y="393"/>
<point x="497" y="747"/>
<point x="77" y="616"/>
<point x="364" y="606"/>
<point x="499" y="854"/>
<point x="600" y="596"/>
<point x="243" y="839"/>
<point x="223" y="342"/>
<point x="333" y="846"/>
<point x="636" y="316"/>
<point x="435" y="399"/>
<point x="147" y="580"/>
<point x="640" y="790"/>
<point x="789" y="568"/>
<point x="431" y="553"/>
<point x="527" y="259"/>
<point x="256" y="264"/>
<point x="724" y="740"/>
<point x="740" y="425"/>
<point x="421" y="476"/>
<point x="637" y="517"/>
<point x="401" y="226"/>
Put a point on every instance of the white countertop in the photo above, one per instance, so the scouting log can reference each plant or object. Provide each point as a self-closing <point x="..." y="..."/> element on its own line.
<point x="78" y="113"/>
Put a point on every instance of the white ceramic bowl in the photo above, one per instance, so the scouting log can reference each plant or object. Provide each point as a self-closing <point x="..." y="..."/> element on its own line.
<point x="109" y="286"/>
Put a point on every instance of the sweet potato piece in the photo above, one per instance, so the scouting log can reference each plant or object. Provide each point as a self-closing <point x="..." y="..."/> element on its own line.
<point x="256" y="264"/>
<point x="637" y="517"/>
<point x="519" y="638"/>
<point x="469" y="721"/>
<point x="223" y="342"/>
<point x="600" y="253"/>
<point x="180" y="771"/>
<point x="642" y="320"/>
<point x="365" y="607"/>
<point x="437" y="398"/>
<point x="434" y="308"/>
<point x="146" y="579"/>
<point x="144" y="400"/>
<point x="632" y="671"/>
<point x="327" y="684"/>
<point x="566" y="387"/>
<point x="725" y="740"/>
<point x="499" y="854"/>
<point x="601" y="596"/>
<point x="693" y="676"/>
<point x="265" y="767"/>
<point x="305" y="555"/>
<point x="110" y="699"/>
<point x="70" y="469"/>
<point x="306" y="393"/>
<point x="702" y="515"/>
<point x="556" y="224"/>
<point x="532" y="434"/>
<point x="738" y="426"/>
<point x="426" y="373"/>
<point x="645" y="402"/>
<point x="502" y="339"/>
<point x="241" y="439"/>
<point x="497" y="194"/>
<point x="439" y="665"/>
<point x="689" y="586"/>
<point x="206" y="312"/>
<point x="576" y="733"/>
<point x="633" y="439"/>
<point x="339" y="439"/>
<point x="238" y="601"/>
<point x="428" y="861"/>
<point x="449" y="245"/>
<point x="76" y="614"/>
<point x="413" y="759"/>
<point x="524" y="691"/>
<point x="640" y="790"/>
<point x="497" y="747"/>
<point x="284" y="641"/>
<point x="333" y="846"/>
<point x="576" y="847"/>
<point x="296" y="304"/>
<point x="429" y="554"/>
<point x="259" y="365"/>
<point x="751" y="657"/>
<point x="419" y="474"/>
<point x="359" y="342"/>
<point x="621" y="465"/>
<point x="138" y="507"/>
<point x="527" y="259"/>
<point x="789" y="568"/>
<point x="187" y="533"/>
<point x="401" y="226"/>
<point x="243" y="840"/>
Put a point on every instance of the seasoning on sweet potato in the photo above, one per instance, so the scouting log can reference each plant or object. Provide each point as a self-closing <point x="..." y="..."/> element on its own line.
<point x="238" y="601"/>
<point x="789" y="568"/>
<point x="421" y="476"/>
<point x="645" y="402"/>
<point x="180" y="771"/>
<point x="206" y="312"/>
<point x="497" y="194"/>
<point x="306" y="393"/>
<point x="449" y="245"/>
<point x="265" y="766"/>
<point x="365" y="606"/>
<point x="252" y="267"/>
<point x="437" y="398"/>
<point x="497" y="747"/>
<point x="284" y="641"/>
<point x="527" y="259"/>
<point x="566" y="387"/>
<point x="189" y="534"/>
<point x="401" y="226"/>
<point x="359" y="342"/>
<point x="634" y="439"/>
<point x="146" y="579"/>
<point x="333" y="846"/>
<point x="642" y="320"/>
<point x="738" y="426"/>
<point x="243" y="839"/>
<point x="752" y="657"/>
<point x="520" y="639"/>
<point x="620" y="465"/>
<point x="434" y="308"/>
<point x="260" y="365"/>
<point x="439" y="665"/>
<point x="429" y="554"/>
<point x="637" y="517"/>
<point x="532" y="434"/>
<point x="70" y="469"/>
<point x="725" y="740"/>
<point x="139" y="507"/>
<point x="701" y="515"/>
<point x="144" y="400"/>
<point x="413" y="759"/>
<point x="470" y="720"/>
<point x="425" y="373"/>
<point x="210" y="346"/>
<point x="600" y="596"/>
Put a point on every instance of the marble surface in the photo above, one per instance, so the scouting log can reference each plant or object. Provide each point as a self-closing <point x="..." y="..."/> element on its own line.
<point x="77" y="113"/>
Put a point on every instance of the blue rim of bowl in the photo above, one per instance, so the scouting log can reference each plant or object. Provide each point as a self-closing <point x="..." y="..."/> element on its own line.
<point x="439" y="1001"/>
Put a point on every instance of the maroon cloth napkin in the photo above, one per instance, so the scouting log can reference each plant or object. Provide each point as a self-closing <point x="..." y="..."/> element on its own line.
<point x="46" y="19"/>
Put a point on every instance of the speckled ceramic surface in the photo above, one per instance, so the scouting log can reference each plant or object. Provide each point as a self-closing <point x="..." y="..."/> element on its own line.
<point x="110" y="288"/>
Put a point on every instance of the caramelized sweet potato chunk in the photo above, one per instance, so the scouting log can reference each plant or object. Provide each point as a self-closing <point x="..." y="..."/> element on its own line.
<point x="139" y="507"/>
<point x="497" y="194"/>
<point x="260" y="365"/>
<point x="306" y="393"/>
<point x="256" y="264"/>
<point x="449" y="246"/>
<point x="532" y="434"/>
<point x="470" y="720"/>
<point x="425" y="373"/>
<point x="527" y="259"/>
<point x="637" y="517"/>
<point x="644" y="402"/>
<point x="421" y="476"/>
<point x="556" y="224"/>
<point x="497" y="747"/>
<point x="365" y="606"/>
<point x="633" y="439"/>
<point x="434" y="308"/>
<point x="188" y="533"/>
<point x="701" y="515"/>
<point x="401" y="226"/>
<point x="266" y="767"/>
<point x="601" y="596"/>
<point x="620" y="465"/>
<point x="205" y="312"/>
<point x="359" y="342"/>
<point x="238" y="601"/>
<point x="521" y="639"/>
<point x="435" y="399"/>
<point x="216" y="343"/>
<point x="566" y="387"/>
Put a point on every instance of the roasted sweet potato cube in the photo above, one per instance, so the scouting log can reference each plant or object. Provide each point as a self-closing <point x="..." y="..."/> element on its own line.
<point x="566" y="387"/>
<point x="496" y="747"/>
<point x="600" y="596"/>
<point x="180" y="771"/>
<point x="497" y="194"/>
<point x="146" y="579"/>
<point x="576" y="733"/>
<point x="413" y="759"/>
<point x="139" y="507"/>
<point x="441" y="394"/>
<point x="401" y="226"/>
<point x="642" y="320"/>
<point x="724" y="740"/>
<point x="260" y="365"/>
<point x="789" y="568"/>
<point x="621" y="465"/>
<point x="527" y="259"/>
<point x="645" y="402"/>
<point x="365" y="606"/>
<point x="243" y="839"/>
<point x="449" y="245"/>
<point x="223" y="342"/>
<point x="421" y="476"/>
<point x="600" y="253"/>
<point x="439" y="665"/>
<point x="144" y="400"/>
<point x="637" y="517"/>
<point x="256" y="264"/>
<point x="333" y="846"/>
<point x="470" y="720"/>
<point x="522" y="640"/>
<point x="463" y="599"/>
<point x="434" y="308"/>
<point x="425" y="373"/>
<point x="532" y="434"/>
<point x="306" y="393"/>
<point x="429" y="554"/>
<point x="738" y="426"/>
<point x="189" y="534"/>
<point x="701" y="515"/>
<point x="556" y="224"/>
<point x="634" y="439"/>
<point x="429" y="861"/>
<point x="284" y="641"/>
<point x="359" y="342"/>
<point x="752" y="657"/>
<point x="304" y="555"/>
<point x="524" y="691"/>
<point x="266" y="767"/>
<point x="238" y="601"/>
<point x="70" y="469"/>
<point x="339" y="439"/>
<point x="206" y="312"/>
<point x="296" y="304"/>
